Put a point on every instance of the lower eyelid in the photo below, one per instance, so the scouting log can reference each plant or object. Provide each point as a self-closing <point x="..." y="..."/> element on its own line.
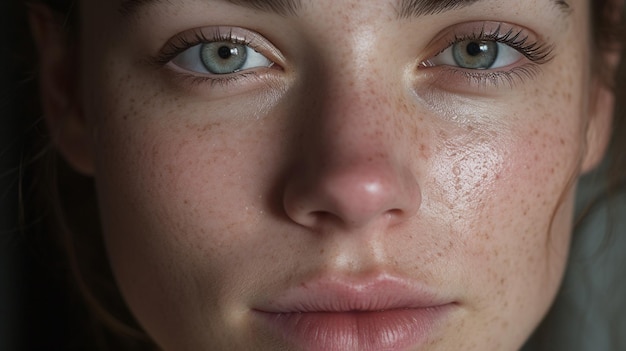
<point x="466" y="81"/>
<point x="224" y="86"/>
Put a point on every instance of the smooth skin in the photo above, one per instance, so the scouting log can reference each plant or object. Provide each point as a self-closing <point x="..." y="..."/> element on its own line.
<point x="346" y="158"/>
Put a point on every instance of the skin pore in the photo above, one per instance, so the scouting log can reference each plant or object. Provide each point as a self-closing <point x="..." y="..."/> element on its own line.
<point x="352" y="157"/>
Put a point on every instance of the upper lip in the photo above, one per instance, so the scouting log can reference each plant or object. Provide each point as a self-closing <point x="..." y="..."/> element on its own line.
<point x="343" y="294"/>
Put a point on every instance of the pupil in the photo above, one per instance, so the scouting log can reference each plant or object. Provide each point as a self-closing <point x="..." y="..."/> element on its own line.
<point x="224" y="52"/>
<point x="474" y="49"/>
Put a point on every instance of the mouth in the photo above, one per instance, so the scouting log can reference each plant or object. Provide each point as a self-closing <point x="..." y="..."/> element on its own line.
<point x="385" y="313"/>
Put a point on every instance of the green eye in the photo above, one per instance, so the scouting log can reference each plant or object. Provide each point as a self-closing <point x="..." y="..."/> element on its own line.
<point x="221" y="57"/>
<point x="475" y="54"/>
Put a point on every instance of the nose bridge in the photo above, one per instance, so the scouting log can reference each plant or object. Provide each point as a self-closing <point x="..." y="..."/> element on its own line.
<point x="354" y="114"/>
<point x="351" y="84"/>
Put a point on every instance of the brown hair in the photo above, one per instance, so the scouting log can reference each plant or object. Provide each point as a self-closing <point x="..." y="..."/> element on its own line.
<point x="66" y="200"/>
<point x="59" y="216"/>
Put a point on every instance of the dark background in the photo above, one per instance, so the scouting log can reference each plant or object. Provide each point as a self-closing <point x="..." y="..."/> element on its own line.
<point x="33" y="303"/>
<point x="10" y="267"/>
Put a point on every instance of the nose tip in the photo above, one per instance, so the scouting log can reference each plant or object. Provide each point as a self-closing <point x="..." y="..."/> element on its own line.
<point x="352" y="195"/>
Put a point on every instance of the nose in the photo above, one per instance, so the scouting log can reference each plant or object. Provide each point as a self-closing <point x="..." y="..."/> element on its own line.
<point x="353" y="165"/>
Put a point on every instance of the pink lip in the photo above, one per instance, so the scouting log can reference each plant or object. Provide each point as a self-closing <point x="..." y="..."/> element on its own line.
<point x="385" y="313"/>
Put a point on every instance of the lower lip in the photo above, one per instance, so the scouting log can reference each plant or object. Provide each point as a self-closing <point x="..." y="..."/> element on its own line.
<point x="391" y="330"/>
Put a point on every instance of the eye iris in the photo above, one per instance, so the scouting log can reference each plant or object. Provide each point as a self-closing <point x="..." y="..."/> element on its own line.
<point x="223" y="57"/>
<point x="475" y="54"/>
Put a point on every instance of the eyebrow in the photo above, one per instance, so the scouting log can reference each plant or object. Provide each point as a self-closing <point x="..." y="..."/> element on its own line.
<point x="417" y="8"/>
<point x="406" y="8"/>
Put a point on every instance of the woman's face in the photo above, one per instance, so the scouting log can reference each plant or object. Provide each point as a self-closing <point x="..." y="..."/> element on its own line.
<point x="337" y="175"/>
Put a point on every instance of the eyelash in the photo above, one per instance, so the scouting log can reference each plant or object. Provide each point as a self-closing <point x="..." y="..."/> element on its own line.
<point x="517" y="39"/>
<point x="198" y="37"/>
<point x="536" y="52"/>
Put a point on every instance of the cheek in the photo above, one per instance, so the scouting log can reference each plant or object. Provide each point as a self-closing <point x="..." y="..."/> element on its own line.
<point x="168" y="220"/>
<point x="174" y="180"/>
<point x="509" y="189"/>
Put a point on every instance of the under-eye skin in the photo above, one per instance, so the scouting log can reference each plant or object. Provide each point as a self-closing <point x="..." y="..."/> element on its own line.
<point x="490" y="52"/>
<point x="218" y="55"/>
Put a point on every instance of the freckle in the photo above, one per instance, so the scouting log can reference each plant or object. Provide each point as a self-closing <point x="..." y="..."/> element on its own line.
<point x="456" y="170"/>
<point x="405" y="108"/>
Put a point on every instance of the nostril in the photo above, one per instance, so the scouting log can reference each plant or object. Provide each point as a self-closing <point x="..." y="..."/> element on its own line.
<point x="351" y="196"/>
<point x="395" y="213"/>
<point x="318" y="217"/>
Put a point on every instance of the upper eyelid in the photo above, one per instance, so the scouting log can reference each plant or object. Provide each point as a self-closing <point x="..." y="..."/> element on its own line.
<point x="196" y="36"/>
<point x="490" y="30"/>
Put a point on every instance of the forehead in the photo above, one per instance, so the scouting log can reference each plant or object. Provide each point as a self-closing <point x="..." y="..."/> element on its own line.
<point x="404" y="8"/>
